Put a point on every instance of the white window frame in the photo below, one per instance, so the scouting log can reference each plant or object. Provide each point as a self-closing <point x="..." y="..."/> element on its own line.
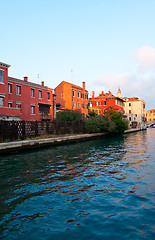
<point x="1" y="101"/>
<point x="18" y="104"/>
<point x="10" y="103"/>
<point x="32" y="91"/>
<point x="39" y="94"/>
<point x="18" y="89"/>
<point x="48" y="95"/>
<point x="10" y="88"/>
<point x="32" y="109"/>
<point x="73" y="104"/>
<point x="1" y="77"/>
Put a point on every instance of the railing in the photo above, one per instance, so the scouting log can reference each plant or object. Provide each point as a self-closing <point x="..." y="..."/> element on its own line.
<point x="20" y="130"/>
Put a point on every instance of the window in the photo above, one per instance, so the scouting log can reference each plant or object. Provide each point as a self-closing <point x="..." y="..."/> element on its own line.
<point x="32" y="109"/>
<point x="9" y="88"/>
<point x="104" y="103"/>
<point x="86" y="106"/>
<point x="1" y="76"/>
<point x="129" y="118"/>
<point x="86" y="96"/>
<point x="1" y="101"/>
<point x="48" y="95"/>
<point x="82" y="105"/>
<point x="10" y="104"/>
<point x="40" y="94"/>
<point x="135" y="115"/>
<point x="18" y="105"/>
<point x="32" y="92"/>
<point x="82" y="95"/>
<point x="78" y="105"/>
<point x="129" y="111"/>
<point x="78" y="94"/>
<point x="129" y="104"/>
<point x="73" y="93"/>
<point x="18" y="90"/>
<point x="73" y="104"/>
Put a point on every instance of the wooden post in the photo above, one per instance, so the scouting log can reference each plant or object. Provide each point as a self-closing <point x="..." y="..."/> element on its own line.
<point x="36" y="129"/>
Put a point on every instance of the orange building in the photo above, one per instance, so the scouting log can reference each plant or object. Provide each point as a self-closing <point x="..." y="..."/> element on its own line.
<point x="104" y="100"/>
<point x="73" y="97"/>
<point x="150" y="116"/>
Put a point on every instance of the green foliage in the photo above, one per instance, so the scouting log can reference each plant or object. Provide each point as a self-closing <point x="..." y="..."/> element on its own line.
<point x="69" y="115"/>
<point x="91" y="113"/>
<point x="98" y="124"/>
<point x="121" y="123"/>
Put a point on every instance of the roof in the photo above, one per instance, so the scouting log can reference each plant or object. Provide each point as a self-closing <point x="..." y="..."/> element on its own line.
<point x="132" y="99"/>
<point x="28" y="83"/>
<point x="4" y="65"/>
<point x="73" y="86"/>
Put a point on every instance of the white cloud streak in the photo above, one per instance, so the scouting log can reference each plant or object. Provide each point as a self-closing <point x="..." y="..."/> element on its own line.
<point x="146" y="58"/>
<point x="134" y="85"/>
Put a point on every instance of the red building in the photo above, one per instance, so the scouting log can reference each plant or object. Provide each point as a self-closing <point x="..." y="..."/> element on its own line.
<point x="104" y="100"/>
<point x="71" y="96"/>
<point x="23" y="100"/>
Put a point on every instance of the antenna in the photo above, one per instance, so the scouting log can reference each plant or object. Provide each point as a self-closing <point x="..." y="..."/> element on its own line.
<point x="38" y="78"/>
<point x="71" y="75"/>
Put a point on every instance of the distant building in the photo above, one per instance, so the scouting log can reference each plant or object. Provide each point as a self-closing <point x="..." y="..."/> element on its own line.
<point x="150" y="116"/>
<point x="72" y="97"/>
<point x="104" y="100"/>
<point x="135" y="110"/>
<point x="23" y="100"/>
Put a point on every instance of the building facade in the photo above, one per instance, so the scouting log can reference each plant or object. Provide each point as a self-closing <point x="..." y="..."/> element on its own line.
<point x="23" y="100"/>
<point x="135" y="110"/>
<point x="103" y="101"/>
<point x="150" y="116"/>
<point x="72" y="97"/>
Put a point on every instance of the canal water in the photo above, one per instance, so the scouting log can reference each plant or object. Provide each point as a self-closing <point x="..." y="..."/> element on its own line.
<point x="98" y="189"/>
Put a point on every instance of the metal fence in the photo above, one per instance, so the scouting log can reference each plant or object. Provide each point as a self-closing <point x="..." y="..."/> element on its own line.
<point x="20" y="130"/>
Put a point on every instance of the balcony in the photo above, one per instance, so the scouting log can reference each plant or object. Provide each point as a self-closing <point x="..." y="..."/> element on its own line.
<point x="7" y="113"/>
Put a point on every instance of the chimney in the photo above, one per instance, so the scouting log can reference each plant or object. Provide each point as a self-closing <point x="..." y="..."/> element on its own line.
<point x="25" y="79"/>
<point x="102" y="93"/>
<point x="93" y="93"/>
<point x="109" y="93"/>
<point x="83" y="85"/>
<point x="42" y="83"/>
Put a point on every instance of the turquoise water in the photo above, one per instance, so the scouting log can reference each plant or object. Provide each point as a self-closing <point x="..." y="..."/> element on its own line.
<point x="99" y="189"/>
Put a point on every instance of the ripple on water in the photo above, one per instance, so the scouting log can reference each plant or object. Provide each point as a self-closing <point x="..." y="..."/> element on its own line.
<point x="102" y="189"/>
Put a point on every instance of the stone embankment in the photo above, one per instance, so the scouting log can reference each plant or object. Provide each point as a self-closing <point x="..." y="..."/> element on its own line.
<point x="16" y="146"/>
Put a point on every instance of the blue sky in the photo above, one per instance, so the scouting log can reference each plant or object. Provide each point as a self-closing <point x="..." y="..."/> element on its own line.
<point x="106" y="43"/>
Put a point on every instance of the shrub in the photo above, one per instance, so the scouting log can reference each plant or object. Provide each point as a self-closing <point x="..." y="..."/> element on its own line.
<point x="97" y="124"/>
<point x="69" y="115"/>
<point x="119" y="119"/>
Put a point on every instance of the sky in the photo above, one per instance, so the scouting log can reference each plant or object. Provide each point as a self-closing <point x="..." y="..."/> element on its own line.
<point x="105" y="43"/>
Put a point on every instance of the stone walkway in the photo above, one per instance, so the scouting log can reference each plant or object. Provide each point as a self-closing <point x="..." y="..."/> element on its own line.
<point x="16" y="146"/>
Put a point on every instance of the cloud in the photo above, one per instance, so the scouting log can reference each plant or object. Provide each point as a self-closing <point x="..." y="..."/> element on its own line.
<point x="146" y="58"/>
<point x="131" y="86"/>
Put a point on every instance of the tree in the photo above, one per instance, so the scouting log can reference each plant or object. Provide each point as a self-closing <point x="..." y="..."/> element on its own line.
<point x="99" y="124"/>
<point x="121" y="123"/>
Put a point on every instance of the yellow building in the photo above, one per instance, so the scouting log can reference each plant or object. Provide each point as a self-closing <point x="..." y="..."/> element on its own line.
<point x="150" y="116"/>
<point x="96" y="110"/>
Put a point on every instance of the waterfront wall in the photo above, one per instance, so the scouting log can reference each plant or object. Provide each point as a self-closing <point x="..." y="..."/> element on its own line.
<point x="16" y="146"/>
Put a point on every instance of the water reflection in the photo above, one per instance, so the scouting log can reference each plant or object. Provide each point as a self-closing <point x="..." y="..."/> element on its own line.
<point x="102" y="188"/>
